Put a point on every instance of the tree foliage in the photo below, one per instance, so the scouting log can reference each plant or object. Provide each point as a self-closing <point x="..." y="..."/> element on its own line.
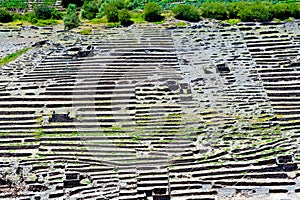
<point x="152" y="12"/>
<point x="71" y="19"/>
<point x="89" y="10"/>
<point x="111" y="12"/>
<point x="5" y="16"/>
<point x="124" y="17"/>
<point x="215" y="10"/>
<point x="42" y="12"/>
<point x="257" y="11"/>
<point x="186" y="12"/>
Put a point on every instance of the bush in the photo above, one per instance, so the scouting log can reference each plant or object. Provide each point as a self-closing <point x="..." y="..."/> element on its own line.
<point x="89" y="10"/>
<point x="119" y="4"/>
<point x="17" y="16"/>
<point x="124" y="17"/>
<point x="295" y="10"/>
<point x="234" y="8"/>
<point x="281" y="11"/>
<point x="71" y="19"/>
<point x="257" y="11"/>
<point x="29" y="17"/>
<point x="111" y="12"/>
<point x="5" y="16"/>
<point x="55" y="14"/>
<point x="186" y="12"/>
<point x="215" y="10"/>
<point x="42" y="12"/>
<point x="152" y="12"/>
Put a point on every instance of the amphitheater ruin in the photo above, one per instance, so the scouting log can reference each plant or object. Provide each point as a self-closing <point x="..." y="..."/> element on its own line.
<point x="208" y="111"/>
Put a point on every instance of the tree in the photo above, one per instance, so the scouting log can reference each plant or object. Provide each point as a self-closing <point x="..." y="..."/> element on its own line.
<point x="42" y="12"/>
<point x="124" y="17"/>
<point x="71" y="19"/>
<point x="111" y="12"/>
<point x="152" y="12"/>
<point x="186" y="12"/>
<point x="214" y="10"/>
<point x="257" y="11"/>
<point x="5" y="16"/>
<point x="89" y="9"/>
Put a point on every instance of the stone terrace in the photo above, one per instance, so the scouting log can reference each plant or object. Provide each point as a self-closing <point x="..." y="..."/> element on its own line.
<point x="208" y="112"/>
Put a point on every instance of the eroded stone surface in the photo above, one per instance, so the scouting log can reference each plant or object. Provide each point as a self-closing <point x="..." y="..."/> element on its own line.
<point x="202" y="112"/>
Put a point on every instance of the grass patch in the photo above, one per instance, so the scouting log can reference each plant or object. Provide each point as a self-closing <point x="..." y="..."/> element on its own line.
<point x="181" y="24"/>
<point x="137" y="18"/>
<point x="233" y="21"/>
<point x="99" y="20"/>
<point x="47" y="22"/>
<point x="86" y="31"/>
<point x="13" y="56"/>
<point x="113" y="24"/>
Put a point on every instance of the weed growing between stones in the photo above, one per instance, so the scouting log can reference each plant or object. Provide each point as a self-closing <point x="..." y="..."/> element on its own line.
<point x="12" y="56"/>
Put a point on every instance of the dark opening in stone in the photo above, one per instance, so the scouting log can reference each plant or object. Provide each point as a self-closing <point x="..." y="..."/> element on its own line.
<point x="222" y="68"/>
<point x="61" y="117"/>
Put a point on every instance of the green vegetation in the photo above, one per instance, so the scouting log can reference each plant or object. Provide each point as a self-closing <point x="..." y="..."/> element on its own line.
<point x="186" y="12"/>
<point x="124" y="17"/>
<point x="71" y="19"/>
<point x="111" y="12"/>
<point x="215" y="10"/>
<point x="18" y="4"/>
<point x="152" y="12"/>
<point x="5" y="16"/>
<point x="89" y="10"/>
<point x="250" y="11"/>
<point x="85" y="31"/>
<point x="42" y="12"/>
<point x="13" y="56"/>
<point x="126" y="12"/>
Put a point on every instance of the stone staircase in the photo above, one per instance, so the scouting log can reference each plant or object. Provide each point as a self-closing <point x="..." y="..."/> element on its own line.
<point x="150" y="113"/>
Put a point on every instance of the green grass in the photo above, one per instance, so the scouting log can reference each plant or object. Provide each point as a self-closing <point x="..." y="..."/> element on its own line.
<point x="47" y="22"/>
<point x="137" y="18"/>
<point x="233" y="21"/>
<point x="86" y="31"/>
<point x="13" y="56"/>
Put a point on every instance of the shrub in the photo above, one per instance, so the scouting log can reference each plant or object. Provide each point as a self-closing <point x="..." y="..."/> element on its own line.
<point x="119" y="4"/>
<point x="55" y="14"/>
<point x="137" y="17"/>
<point x="71" y="19"/>
<point x="124" y="17"/>
<point x="234" y="8"/>
<point x="29" y="17"/>
<point x="89" y="10"/>
<point x="152" y="12"/>
<point x="111" y="12"/>
<point x="295" y="10"/>
<point x="186" y="12"/>
<point x="17" y="16"/>
<point x="281" y="11"/>
<point x="5" y="16"/>
<point x="215" y="10"/>
<point x="257" y="11"/>
<point x="42" y="12"/>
